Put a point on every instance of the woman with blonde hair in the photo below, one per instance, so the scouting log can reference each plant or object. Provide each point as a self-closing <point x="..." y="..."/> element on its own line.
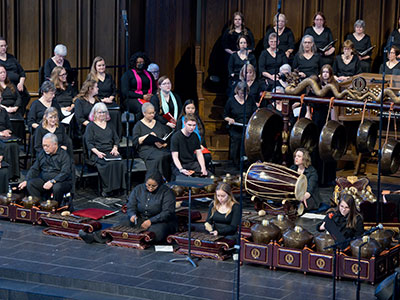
<point x="84" y="102"/>
<point x="65" y="93"/>
<point x="224" y="213"/>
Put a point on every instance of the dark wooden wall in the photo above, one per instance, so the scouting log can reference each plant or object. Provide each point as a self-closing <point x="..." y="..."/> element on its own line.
<point x="380" y="17"/>
<point x="166" y="29"/>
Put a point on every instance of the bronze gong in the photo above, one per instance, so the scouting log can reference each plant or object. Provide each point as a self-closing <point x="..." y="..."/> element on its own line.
<point x="263" y="135"/>
<point x="332" y="141"/>
<point x="304" y="134"/>
<point x="367" y="134"/>
<point x="390" y="160"/>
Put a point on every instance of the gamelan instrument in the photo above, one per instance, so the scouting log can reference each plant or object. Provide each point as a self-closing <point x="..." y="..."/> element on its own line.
<point x="275" y="182"/>
<point x="128" y="237"/>
<point x="263" y="135"/>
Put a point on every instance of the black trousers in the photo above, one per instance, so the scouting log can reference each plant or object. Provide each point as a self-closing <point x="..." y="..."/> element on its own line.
<point x="234" y="145"/>
<point x="161" y="230"/>
<point x="35" y="188"/>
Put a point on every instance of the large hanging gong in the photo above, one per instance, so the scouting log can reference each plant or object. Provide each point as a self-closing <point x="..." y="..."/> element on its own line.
<point x="332" y="141"/>
<point x="304" y="134"/>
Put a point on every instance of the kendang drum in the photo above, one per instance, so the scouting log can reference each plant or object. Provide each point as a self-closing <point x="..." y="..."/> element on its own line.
<point x="275" y="182"/>
<point x="263" y="135"/>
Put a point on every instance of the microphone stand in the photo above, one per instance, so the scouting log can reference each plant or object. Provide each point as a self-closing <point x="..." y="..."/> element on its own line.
<point x="277" y="43"/>
<point x="378" y="196"/>
<point x="127" y="116"/>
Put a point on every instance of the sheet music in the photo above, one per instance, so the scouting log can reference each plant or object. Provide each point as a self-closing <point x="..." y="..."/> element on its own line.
<point x="68" y="119"/>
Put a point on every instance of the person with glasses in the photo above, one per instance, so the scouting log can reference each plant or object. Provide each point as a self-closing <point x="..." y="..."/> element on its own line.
<point x="167" y="104"/>
<point x="60" y="52"/>
<point x="307" y="61"/>
<point x="151" y="207"/>
<point x="39" y="106"/>
<point x="346" y="64"/>
<point x="65" y="93"/>
<point x="102" y="144"/>
<point x="346" y="217"/>
<point x="51" y="123"/>
<point x="362" y="42"/>
<point x="322" y="37"/>
<point x="392" y="65"/>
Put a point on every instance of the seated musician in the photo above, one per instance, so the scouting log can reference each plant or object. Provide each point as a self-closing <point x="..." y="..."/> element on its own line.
<point x="346" y="218"/>
<point x="51" y="172"/>
<point x="156" y="156"/>
<point x="102" y="143"/>
<point x="186" y="150"/>
<point x="151" y="206"/>
<point x="302" y="164"/>
<point x="224" y="213"/>
<point x="9" y="144"/>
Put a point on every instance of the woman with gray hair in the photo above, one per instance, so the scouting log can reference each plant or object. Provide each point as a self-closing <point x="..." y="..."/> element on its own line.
<point x="102" y="144"/>
<point x="60" y="52"/>
<point x="307" y="60"/>
<point x="155" y="154"/>
<point x="361" y="42"/>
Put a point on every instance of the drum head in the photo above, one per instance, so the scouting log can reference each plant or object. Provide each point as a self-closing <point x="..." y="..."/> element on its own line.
<point x="366" y="136"/>
<point x="263" y="136"/>
<point x="332" y="141"/>
<point x="390" y="157"/>
<point x="300" y="187"/>
<point x="304" y="134"/>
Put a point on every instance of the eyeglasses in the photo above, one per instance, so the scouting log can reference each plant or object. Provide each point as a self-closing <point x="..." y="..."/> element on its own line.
<point x="151" y="185"/>
<point x="102" y="112"/>
<point x="64" y="74"/>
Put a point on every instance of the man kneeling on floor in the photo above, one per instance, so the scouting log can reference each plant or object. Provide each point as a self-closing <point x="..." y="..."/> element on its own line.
<point x="50" y="173"/>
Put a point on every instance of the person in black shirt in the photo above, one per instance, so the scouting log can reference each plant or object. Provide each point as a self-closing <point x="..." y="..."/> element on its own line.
<point x="186" y="150"/>
<point x="322" y="37"/>
<point x="347" y="64"/>
<point x="15" y="73"/>
<point x="60" y="52"/>
<point x="224" y="213"/>
<point x="286" y="37"/>
<point x="394" y="39"/>
<point x="307" y="60"/>
<point x="156" y="156"/>
<point x="39" y="106"/>
<point x="3" y="172"/>
<point x="237" y="60"/>
<point x="84" y="103"/>
<point x="392" y="65"/>
<point x="107" y="91"/>
<point x="151" y="206"/>
<point x="102" y="144"/>
<point x="166" y="102"/>
<point x="9" y="145"/>
<point x="51" y="172"/>
<point x="12" y="103"/>
<point x="137" y="85"/>
<point x="65" y="93"/>
<point x="271" y="59"/>
<point x="346" y="218"/>
<point x="233" y="114"/>
<point x="256" y="86"/>
<point x="50" y="123"/>
<point x="362" y="42"/>
<point x="302" y="164"/>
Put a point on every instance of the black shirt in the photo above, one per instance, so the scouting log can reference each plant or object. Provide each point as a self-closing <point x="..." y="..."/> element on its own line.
<point x="158" y="206"/>
<point x="233" y="109"/>
<point x="224" y="224"/>
<point x="82" y="110"/>
<point x="341" y="222"/>
<point x="13" y="68"/>
<point x="11" y="98"/>
<point x="5" y="122"/>
<point x="155" y="100"/>
<point x="49" y="65"/>
<point x="56" y="166"/>
<point x="185" y="146"/>
<point x="129" y="85"/>
<point x="270" y="64"/>
<point x="37" y="110"/>
<point x="235" y="63"/>
<point x="396" y="38"/>
<point x="230" y="40"/>
<point x="141" y="129"/>
<point x="361" y="45"/>
<point x="351" y="69"/>
<point x="307" y="66"/>
<point x="320" y="40"/>
<point x="99" y="138"/>
<point x="286" y="39"/>
<point x="107" y="87"/>
<point x="65" y="97"/>
<point x="393" y="71"/>
<point x="40" y="132"/>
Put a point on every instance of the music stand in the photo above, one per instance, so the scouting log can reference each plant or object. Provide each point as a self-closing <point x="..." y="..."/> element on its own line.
<point x="190" y="182"/>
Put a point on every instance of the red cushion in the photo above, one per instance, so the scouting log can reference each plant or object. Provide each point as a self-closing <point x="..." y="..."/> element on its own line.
<point x="93" y="213"/>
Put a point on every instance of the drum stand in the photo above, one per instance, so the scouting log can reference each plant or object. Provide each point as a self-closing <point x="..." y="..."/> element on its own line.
<point x="190" y="182"/>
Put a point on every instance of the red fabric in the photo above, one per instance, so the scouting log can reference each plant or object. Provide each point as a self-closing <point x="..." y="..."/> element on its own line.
<point x="93" y="213"/>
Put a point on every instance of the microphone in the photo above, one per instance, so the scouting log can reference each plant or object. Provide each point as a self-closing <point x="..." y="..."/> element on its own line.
<point x="373" y="229"/>
<point x="279" y="6"/>
<point x="124" y="17"/>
